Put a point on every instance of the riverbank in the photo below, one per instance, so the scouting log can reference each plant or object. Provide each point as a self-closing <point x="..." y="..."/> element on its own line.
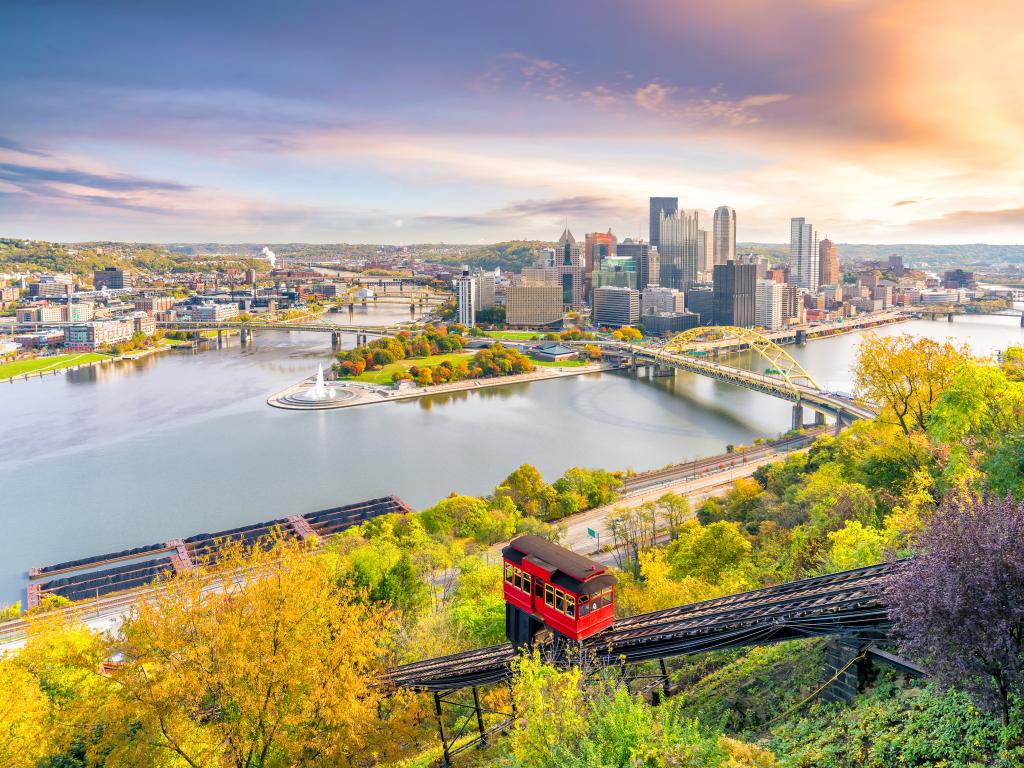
<point x="73" y="362"/>
<point x="367" y="394"/>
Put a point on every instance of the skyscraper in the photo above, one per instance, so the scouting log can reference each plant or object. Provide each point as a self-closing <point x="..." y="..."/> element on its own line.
<point x="597" y="246"/>
<point x="803" y="255"/>
<point x="734" y="294"/>
<point x="660" y="205"/>
<point x="570" y="260"/>
<point x="828" y="263"/>
<point x="465" y="291"/>
<point x="724" y="234"/>
<point x="678" y="248"/>
<point x="645" y="257"/>
<point x="705" y="251"/>
<point x="768" y="304"/>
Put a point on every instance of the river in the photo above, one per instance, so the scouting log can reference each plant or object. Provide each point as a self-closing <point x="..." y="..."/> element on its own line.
<point x="178" y="443"/>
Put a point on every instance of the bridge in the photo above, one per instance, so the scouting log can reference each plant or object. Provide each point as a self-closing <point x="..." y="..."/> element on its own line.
<point x="697" y="351"/>
<point x="246" y="327"/>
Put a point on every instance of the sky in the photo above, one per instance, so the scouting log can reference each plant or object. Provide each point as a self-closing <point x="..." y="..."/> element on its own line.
<point x="413" y="121"/>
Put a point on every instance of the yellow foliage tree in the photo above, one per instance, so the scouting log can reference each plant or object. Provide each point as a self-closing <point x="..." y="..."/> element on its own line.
<point x="261" y="659"/>
<point x="24" y="715"/>
<point x="551" y="707"/>
<point x="904" y="375"/>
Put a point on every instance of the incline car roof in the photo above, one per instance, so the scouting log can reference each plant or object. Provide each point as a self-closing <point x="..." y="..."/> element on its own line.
<point x="575" y="566"/>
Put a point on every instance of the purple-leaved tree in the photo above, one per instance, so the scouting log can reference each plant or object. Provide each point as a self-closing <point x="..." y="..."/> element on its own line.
<point x="958" y="605"/>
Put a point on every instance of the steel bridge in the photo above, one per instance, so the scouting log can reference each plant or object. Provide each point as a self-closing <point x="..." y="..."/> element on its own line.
<point x="697" y="351"/>
<point x="245" y="328"/>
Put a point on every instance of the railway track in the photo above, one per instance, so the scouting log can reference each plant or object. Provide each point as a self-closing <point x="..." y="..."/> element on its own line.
<point x="846" y="603"/>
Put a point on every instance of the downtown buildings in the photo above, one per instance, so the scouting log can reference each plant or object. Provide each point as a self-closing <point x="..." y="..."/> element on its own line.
<point x="466" y="299"/>
<point x="724" y="235"/>
<point x="677" y="248"/>
<point x="803" y="255"/>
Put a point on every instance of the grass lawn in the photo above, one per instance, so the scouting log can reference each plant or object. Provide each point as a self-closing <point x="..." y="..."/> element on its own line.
<point x="18" y="367"/>
<point x="383" y="376"/>
<point x="515" y="335"/>
<point x="559" y="363"/>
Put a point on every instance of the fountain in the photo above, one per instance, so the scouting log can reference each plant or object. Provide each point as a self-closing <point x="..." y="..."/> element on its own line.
<point x="319" y="394"/>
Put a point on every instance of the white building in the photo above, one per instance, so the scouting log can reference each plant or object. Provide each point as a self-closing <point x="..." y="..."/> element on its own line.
<point x="654" y="298"/>
<point x="465" y="292"/>
<point x="803" y="255"/>
<point x="483" y="298"/>
<point x="768" y="298"/>
<point x="616" y="307"/>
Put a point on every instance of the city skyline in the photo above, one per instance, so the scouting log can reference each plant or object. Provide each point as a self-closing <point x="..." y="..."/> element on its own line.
<point x="456" y="123"/>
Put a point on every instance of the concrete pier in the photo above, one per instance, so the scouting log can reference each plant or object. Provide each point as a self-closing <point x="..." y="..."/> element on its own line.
<point x="798" y="416"/>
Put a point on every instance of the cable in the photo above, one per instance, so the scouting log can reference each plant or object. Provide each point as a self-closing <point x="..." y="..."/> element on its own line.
<point x="862" y="655"/>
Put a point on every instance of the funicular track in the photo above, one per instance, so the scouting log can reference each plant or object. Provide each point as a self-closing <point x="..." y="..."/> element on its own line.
<point x="847" y="604"/>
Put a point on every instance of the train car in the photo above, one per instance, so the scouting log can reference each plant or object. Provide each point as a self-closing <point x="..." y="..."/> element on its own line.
<point x="549" y="587"/>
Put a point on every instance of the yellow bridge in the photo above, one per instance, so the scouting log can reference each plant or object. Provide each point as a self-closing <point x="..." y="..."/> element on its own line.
<point x="698" y="350"/>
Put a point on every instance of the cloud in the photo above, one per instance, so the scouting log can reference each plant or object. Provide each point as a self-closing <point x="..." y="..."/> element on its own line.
<point x="33" y="177"/>
<point x="14" y="146"/>
<point x="652" y="96"/>
<point x="905" y="202"/>
<point x="978" y="221"/>
<point x="523" y="210"/>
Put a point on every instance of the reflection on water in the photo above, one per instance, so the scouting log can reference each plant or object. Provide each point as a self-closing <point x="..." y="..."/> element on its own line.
<point x="120" y="455"/>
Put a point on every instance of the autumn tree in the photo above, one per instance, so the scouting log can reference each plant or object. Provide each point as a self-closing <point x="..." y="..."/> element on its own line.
<point x="958" y="604"/>
<point x="905" y="375"/>
<point x="262" y="659"/>
<point x="24" y="717"/>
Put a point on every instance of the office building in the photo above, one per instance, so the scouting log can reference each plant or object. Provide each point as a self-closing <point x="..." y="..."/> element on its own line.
<point x="143" y="323"/>
<point x="98" y="333"/>
<point x="700" y="301"/>
<point x="734" y="294"/>
<point x="792" y="305"/>
<point x="597" y="247"/>
<point x="655" y="298"/>
<point x="896" y="265"/>
<point x="958" y="278"/>
<point x="658" y="207"/>
<point x="803" y="255"/>
<point x="213" y="313"/>
<point x="151" y="304"/>
<point x="768" y="305"/>
<point x="616" y="307"/>
<point x="43" y="313"/>
<point x="705" y="251"/>
<point x="52" y="286"/>
<point x="540" y="276"/>
<point x="828" y="263"/>
<point x="571" y="260"/>
<point x="112" y="278"/>
<point x="678" y="248"/>
<point x="724" y="235"/>
<point x="669" y="323"/>
<point x="645" y="257"/>
<point x="533" y="305"/>
<point x="484" y="296"/>
<point x="465" y="293"/>
<point x="616" y="271"/>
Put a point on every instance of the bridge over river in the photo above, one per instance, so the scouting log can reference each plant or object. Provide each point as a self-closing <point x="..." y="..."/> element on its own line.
<point x="698" y="351"/>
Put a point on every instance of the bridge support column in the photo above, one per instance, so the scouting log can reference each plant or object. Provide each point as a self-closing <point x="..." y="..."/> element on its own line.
<point x="335" y="341"/>
<point x="351" y="311"/>
<point x="949" y="317"/>
<point x="220" y="339"/>
<point x="798" y="416"/>
<point x="819" y="418"/>
<point x="849" y="678"/>
<point x="412" y="309"/>
<point x="243" y="337"/>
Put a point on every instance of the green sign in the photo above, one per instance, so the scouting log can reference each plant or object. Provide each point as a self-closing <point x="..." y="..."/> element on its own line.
<point x="591" y="533"/>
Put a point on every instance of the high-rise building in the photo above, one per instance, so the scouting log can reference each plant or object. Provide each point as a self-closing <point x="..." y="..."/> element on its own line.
<point x="828" y="263"/>
<point x="803" y="255"/>
<point x="645" y="256"/>
<point x="700" y="299"/>
<point x="597" y="247"/>
<point x="705" y="251"/>
<point x="484" y="296"/>
<point x="768" y="305"/>
<point x="52" y="286"/>
<point x="465" y="292"/>
<point x="615" y="271"/>
<point x="734" y="294"/>
<point x="660" y="205"/>
<point x="792" y="305"/>
<point x="896" y="265"/>
<point x="678" y="248"/>
<point x="534" y="305"/>
<point x="616" y="307"/>
<point x="571" y="260"/>
<point x="724" y="234"/>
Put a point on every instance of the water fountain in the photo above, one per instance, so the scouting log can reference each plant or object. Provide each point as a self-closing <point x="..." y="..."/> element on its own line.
<point x="319" y="394"/>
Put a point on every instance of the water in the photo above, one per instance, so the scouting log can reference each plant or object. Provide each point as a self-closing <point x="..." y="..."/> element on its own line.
<point x="178" y="443"/>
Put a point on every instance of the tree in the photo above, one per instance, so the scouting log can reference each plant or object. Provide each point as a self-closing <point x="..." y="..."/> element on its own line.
<point x="262" y="659"/>
<point x="706" y="552"/>
<point x="855" y="545"/>
<point x="905" y="375"/>
<point x="958" y="605"/>
<point x="674" y="510"/>
<point x="24" y="715"/>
